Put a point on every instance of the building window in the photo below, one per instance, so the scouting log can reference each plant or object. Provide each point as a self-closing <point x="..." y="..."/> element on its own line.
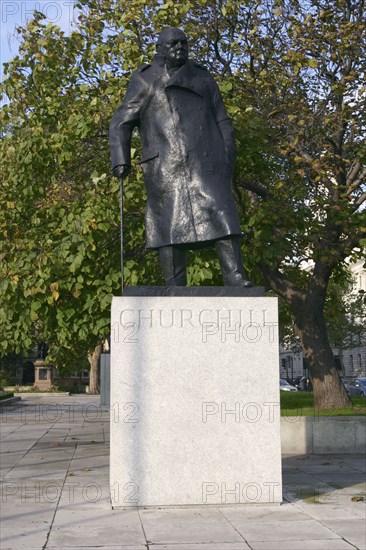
<point x="338" y="362"/>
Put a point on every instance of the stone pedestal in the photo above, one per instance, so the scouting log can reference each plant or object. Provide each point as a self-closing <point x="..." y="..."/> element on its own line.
<point x="105" y="379"/>
<point x="42" y="375"/>
<point x="195" y="413"/>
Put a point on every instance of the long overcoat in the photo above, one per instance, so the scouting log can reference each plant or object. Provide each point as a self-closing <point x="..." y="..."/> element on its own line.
<point x="188" y="153"/>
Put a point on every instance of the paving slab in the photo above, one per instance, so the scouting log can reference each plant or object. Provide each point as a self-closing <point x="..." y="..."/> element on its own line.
<point x="353" y="530"/>
<point x="55" y="494"/>
<point x="78" y="494"/>
<point x="7" y="429"/>
<point x="315" y="491"/>
<point x="15" y="514"/>
<point x="356" y="463"/>
<point x="313" y="464"/>
<point x="26" y="536"/>
<point x="15" y="493"/>
<point x="108" y="530"/>
<point x="51" y="455"/>
<point x="273" y="531"/>
<point x="9" y="458"/>
<point x="16" y="446"/>
<point x="331" y="544"/>
<point x="204" y="546"/>
<point x="249" y="514"/>
<point x="120" y="546"/>
<point x="188" y="525"/>
<point x="34" y="475"/>
<point x="4" y="471"/>
<point x="344" y="508"/>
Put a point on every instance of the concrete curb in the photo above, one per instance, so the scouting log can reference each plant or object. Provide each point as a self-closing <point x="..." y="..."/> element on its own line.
<point x="9" y="400"/>
<point x="42" y="394"/>
<point x="323" y="435"/>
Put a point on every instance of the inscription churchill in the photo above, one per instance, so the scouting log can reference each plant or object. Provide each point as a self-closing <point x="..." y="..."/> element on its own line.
<point x="231" y="325"/>
<point x="188" y="159"/>
<point x="181" y="318"/>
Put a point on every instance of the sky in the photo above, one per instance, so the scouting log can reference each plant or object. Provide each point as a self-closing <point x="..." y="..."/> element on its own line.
<point x="18" y="12"/>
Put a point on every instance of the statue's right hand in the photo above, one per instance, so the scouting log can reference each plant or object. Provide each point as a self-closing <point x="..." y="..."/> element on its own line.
<point x="121" y="171"/>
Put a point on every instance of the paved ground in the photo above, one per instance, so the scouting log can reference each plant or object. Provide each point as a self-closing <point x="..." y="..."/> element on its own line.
<point x="55" y="494"/>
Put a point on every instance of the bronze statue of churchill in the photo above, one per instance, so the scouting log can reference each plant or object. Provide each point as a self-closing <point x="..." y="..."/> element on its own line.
<point x="188" y="156"/>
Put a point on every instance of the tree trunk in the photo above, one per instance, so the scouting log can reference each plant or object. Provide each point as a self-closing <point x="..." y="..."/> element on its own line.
<point x="329" y="392"/>
<point x="93" y="358"/>
<point x="308" y="307"/>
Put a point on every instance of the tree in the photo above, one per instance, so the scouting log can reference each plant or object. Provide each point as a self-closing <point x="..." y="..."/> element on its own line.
<point x="60" y="216"/>
<point x="344" y="315"/>
<point x="316" y="110"/>
<point x="292" y="74"/>
<point x="300" y="66"/>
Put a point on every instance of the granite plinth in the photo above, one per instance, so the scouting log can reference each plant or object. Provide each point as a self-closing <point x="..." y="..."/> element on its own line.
<point x="195" y="415"/>
<point x="204" y="291"/>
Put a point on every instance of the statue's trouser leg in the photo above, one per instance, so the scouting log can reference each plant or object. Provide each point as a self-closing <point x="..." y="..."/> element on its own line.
<point x="173" y="263"/>
<point x="231" y="262"/>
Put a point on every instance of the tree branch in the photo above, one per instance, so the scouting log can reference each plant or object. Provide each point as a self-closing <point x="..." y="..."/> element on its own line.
<point x="255" y="187"/>
<point x="353" y="171"/>
<point x="281" y="285"/>
<point x="360" y="200"/>
<point x="354" y="179"/>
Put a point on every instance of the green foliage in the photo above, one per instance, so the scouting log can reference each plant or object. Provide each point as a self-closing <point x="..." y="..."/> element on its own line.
<point x="9" y="368"/>
<point x="304" y="67"/>
<point x="6" y="379"/>
<point x="203" y="268"/>
<point x="71" y="388"/>
<point x="60" y="210"/>
<point x="345" y="313"/>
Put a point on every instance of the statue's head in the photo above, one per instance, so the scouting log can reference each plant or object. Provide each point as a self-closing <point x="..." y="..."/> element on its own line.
<point x="172" y="44"/>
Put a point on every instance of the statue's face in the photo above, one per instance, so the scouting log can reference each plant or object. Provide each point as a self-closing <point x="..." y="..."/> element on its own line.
<point x="174" y="47"/>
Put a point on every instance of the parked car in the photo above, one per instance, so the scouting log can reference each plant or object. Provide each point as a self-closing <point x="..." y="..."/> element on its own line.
<point x="357" y="387"/>
<point x="285" y="386"/>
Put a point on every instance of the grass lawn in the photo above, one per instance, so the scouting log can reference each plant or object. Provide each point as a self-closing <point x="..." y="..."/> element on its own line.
<point x="32" y="389"/>
<point x="301" y="403"/>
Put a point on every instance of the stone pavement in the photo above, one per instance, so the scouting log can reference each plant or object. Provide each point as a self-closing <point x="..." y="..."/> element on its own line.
<point x="55" y="494"/>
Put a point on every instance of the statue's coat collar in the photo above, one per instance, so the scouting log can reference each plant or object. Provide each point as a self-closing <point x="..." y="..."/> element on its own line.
<point x="185" y="77"/>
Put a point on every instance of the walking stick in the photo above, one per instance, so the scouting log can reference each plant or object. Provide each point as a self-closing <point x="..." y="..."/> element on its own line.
<point x="121" y="228"/>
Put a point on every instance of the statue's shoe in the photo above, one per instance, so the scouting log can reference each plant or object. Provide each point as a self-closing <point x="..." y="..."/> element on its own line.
<point x="237" y="279"/>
